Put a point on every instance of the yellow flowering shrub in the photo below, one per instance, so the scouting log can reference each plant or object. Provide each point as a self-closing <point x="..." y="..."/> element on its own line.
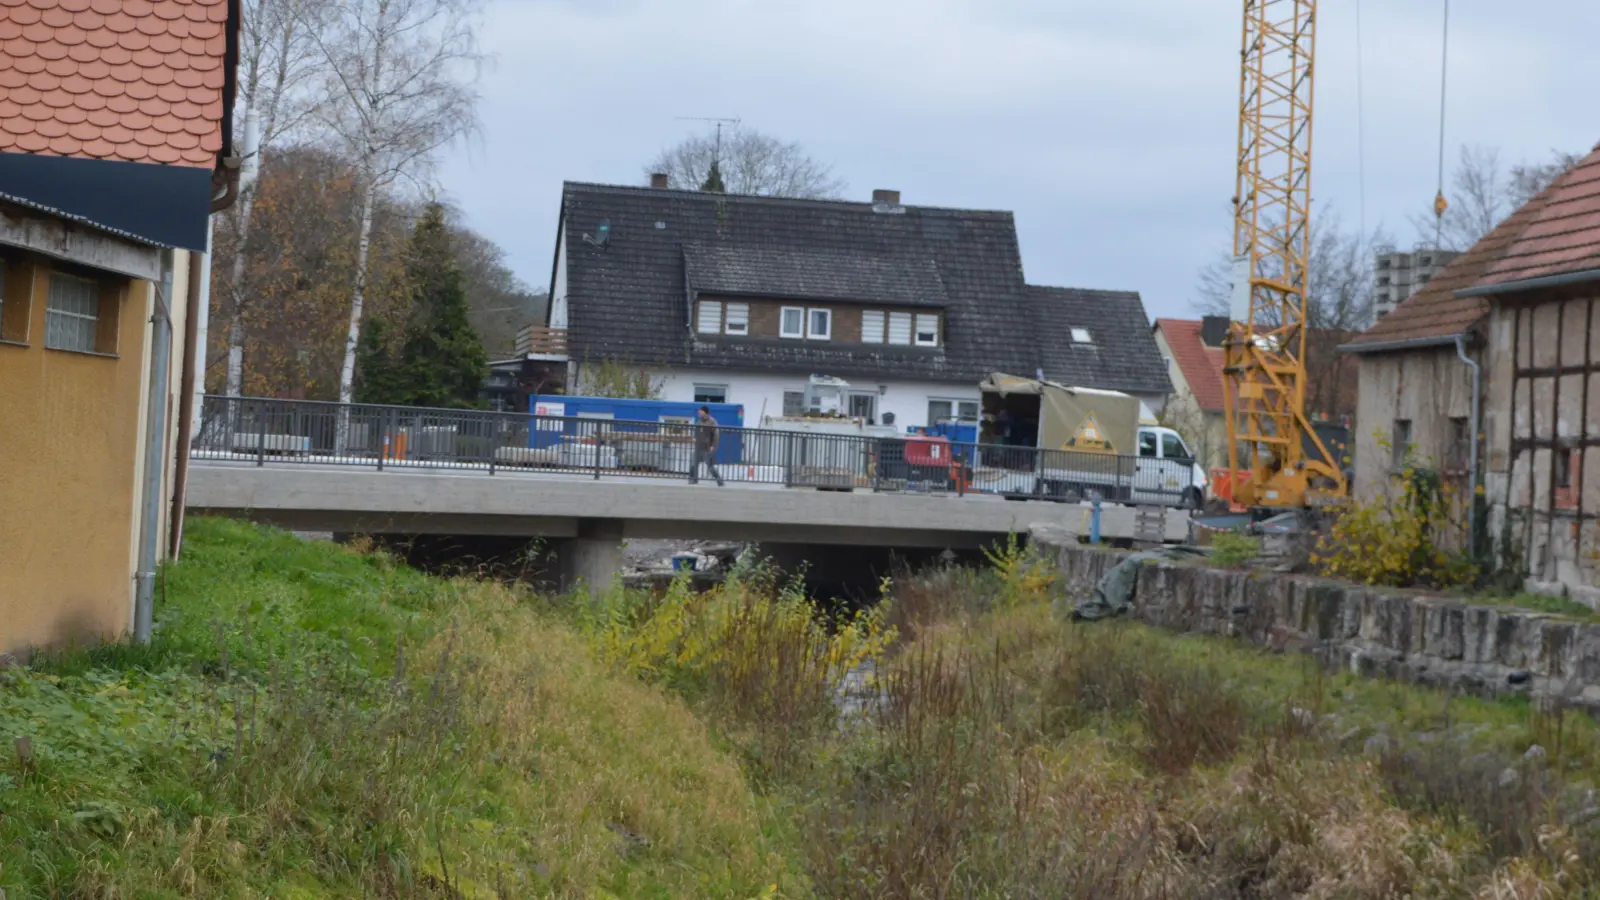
<point x="1398" y="539"/>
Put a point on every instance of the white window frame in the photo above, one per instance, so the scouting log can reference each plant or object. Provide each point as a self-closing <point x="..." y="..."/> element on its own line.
<point x="710" y="389"/>
<point x="783" y="322"/>
<point x="59" y="320"/>
<point x="955" y="404"/>
<point x="1081" y="336"/>
<point x="896" y="322"/>
<point x="925" y="323"/>
<point x="822" y="334"/>
<point x="709" y="319"/>
<point x="870" y="333"/>
<point x="737" y="319"/>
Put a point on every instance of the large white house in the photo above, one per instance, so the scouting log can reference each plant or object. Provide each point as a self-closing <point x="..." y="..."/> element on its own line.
<point x="741" y="299"/>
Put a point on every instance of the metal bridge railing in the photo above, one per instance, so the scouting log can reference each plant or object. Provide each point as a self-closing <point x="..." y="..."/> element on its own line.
<point x="300" y="432"/>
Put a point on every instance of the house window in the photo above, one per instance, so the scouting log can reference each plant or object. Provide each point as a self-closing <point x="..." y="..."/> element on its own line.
<point x="945" y="410"/>
<point x="1563" y="464"/>
<point x="900" y="328"/>
<point x="872" y="326"/>
<point x="1081" y="336"/>
<point x="794" y="403"/>
<point x="73" y="316"/>
<point x="792" y="322"/>
<point x="710" y="317"/>
<point x="711" y="393"/>
<point x="1402" y="442"/>
<point x="927" y="334"/>
<point x="819" y="324"/>
<point x="738" y="318"/>
<point x="1458" y="453"/>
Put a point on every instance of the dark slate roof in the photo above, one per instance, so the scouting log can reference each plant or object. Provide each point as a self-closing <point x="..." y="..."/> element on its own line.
<point x="766" y="271"/>
<point x="629" y="301"/>
<point x="1122" y="355"/>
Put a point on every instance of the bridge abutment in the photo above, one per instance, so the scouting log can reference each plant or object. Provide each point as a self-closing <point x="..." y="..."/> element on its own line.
<point x="593" y="559"/>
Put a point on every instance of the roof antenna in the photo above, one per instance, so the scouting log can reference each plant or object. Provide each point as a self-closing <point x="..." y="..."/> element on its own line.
<point x="716" y="154"/>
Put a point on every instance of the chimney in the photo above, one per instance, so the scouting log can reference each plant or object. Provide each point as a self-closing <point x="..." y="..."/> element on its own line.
<point x="1213" y="329"/>
<point x="881" y="197"/>
<point x="659" y="180"/>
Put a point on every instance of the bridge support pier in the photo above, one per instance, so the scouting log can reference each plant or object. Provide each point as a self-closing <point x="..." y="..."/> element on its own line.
<point x="593" y="558"/>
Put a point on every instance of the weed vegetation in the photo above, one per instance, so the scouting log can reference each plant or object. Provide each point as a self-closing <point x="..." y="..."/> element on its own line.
<point x="315" y="721"/>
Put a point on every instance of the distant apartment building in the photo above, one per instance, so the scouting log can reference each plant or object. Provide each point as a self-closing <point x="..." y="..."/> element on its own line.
<point x="1399" y="275"/>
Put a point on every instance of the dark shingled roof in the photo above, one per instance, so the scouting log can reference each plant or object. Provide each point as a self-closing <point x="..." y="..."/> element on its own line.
<point x="630" y="300"/>
<point x="1122" y="353"/>
<point x="806" y="275"/>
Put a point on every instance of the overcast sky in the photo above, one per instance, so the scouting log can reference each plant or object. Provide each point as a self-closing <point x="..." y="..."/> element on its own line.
<point x="1107" y="126"/>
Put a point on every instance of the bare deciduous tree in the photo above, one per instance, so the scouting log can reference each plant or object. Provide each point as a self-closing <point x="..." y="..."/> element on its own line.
<point x="1483" y="193"/>
<point x="1339" y="302"/>
<point x="277" y="59"/>
<point x="750" y="163"/>
<point x="401" y="83"/>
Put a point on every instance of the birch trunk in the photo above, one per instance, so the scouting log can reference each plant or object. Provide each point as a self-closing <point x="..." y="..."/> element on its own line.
<point x="347" y="374"/>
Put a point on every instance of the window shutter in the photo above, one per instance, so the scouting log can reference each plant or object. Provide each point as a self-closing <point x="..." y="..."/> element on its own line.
<point x="872" y="326"/>
<point x="710" y="317"/>
<point x="927" y="331"/>
<point x="738" y="318"/>
<point x="900" y="328"/>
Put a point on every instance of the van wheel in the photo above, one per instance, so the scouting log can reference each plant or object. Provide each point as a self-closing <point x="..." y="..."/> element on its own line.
<point x="1193" y="500"/>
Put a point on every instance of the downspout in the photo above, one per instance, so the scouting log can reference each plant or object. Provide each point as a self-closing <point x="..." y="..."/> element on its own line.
<point x="144" y="578"/>
<point x="1472" y="444"/>
<point x="186" y="392"/>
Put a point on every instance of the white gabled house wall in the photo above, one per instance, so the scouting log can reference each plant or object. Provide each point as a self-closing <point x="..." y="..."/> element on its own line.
<point x="558" y="282"/>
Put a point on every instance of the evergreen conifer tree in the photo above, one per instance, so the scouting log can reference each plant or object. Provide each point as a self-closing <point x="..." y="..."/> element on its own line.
<point x="442" y="362"/>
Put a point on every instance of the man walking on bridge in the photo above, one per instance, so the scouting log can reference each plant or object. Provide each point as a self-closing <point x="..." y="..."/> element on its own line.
<point x="705" y="446"/>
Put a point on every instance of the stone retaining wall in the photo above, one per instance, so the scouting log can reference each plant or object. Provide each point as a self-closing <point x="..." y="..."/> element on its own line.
<point x="1433" y="640"/>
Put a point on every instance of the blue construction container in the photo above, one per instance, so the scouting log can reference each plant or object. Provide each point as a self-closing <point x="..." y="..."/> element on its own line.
<point x="963" y="434"/>
<point x="548" y="434"/>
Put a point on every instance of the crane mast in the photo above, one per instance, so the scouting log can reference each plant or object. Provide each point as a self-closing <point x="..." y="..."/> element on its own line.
<point x="1264" y="370"/>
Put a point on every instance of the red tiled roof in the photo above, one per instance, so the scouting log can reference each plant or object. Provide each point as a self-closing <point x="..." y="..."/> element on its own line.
<point x="129" y="80"/>
<point x="1556" y="232"/>
<point x="1563" y="236"/>
<point x="1201" y="365"/>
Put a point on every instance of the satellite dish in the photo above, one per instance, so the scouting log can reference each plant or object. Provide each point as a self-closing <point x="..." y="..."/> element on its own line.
<point x="601" y="236"/>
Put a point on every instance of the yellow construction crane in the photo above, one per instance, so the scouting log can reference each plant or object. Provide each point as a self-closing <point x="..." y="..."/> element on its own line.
<point x="1264" y="370"/>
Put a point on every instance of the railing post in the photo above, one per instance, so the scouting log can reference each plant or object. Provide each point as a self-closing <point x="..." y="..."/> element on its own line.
<point x="380" y="426"/>
<point x="1094" y="518"/>
<point x="596" y="449"/>
<point x="494" y="438"/>
<point x="788" y="458"/>
<point x="261" y="434"/>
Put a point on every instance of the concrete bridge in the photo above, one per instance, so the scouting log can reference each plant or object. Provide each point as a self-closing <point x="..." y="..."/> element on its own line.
<point x="287" y="473"/>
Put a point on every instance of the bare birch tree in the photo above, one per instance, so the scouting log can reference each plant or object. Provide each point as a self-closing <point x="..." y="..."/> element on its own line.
<point x="277" y="59"/>
<point x="401" y="85"/>
<point x="750" y="163"/>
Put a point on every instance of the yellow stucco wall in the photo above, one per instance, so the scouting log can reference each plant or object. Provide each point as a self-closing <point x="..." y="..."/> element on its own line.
<point x="69" y="451"/>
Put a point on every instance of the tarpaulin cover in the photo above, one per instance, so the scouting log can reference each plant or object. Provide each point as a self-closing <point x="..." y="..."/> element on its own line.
<point x="1076" y="418"/>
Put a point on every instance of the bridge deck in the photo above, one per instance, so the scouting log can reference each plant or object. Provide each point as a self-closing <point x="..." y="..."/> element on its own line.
<point x="470" y="501"/>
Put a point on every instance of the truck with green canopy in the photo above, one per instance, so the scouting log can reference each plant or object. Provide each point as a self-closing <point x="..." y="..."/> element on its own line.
<point x="1088" y="441"/>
